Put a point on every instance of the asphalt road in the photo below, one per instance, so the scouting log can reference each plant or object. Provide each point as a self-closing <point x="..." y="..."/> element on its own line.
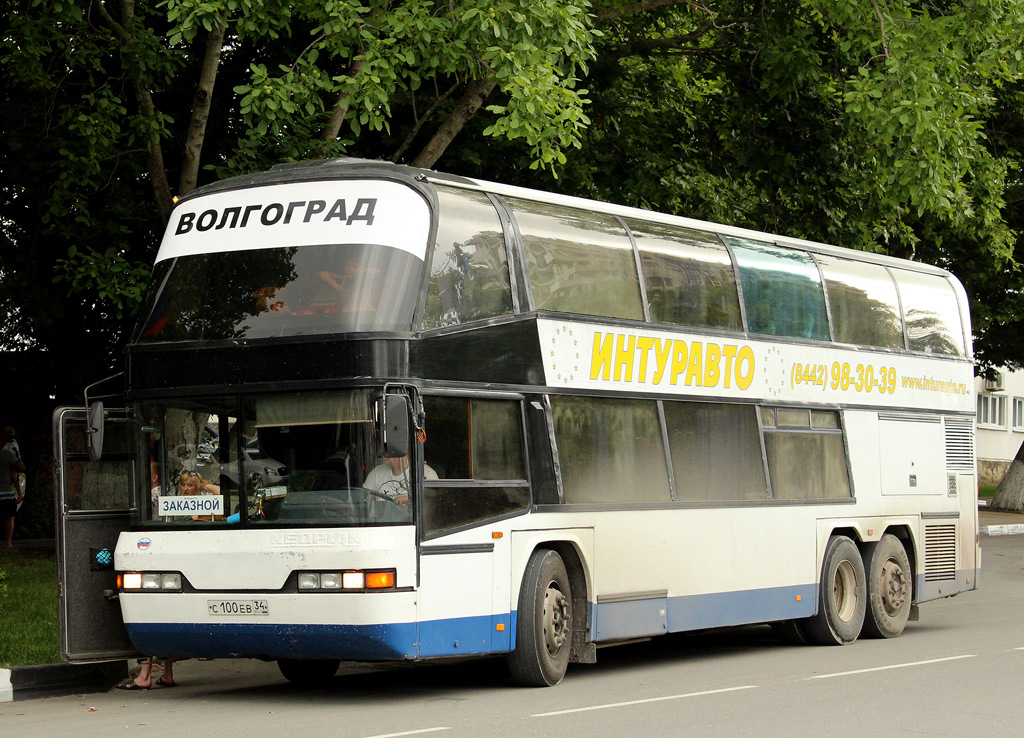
<point x="956" y="672"/>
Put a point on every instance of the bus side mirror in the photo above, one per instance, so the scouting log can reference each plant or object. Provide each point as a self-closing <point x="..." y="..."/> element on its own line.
<point x="94" y="431"/>
<point x="395" y="426"/>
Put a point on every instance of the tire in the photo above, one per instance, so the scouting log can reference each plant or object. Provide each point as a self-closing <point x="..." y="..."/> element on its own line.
<point x="842" y="595"/>
<point x="544" y="630"/>
<point x="308" y="672"/>
<point x="890" y="587"/>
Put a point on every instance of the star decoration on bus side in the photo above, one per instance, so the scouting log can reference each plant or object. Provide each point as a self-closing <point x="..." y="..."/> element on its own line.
<point x="774" y="371"/>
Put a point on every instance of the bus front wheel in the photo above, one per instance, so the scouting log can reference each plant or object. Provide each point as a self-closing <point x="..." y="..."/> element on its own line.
<point x="544" y="630"/>
<point x="890" y="587"/>
<point x="308" y="672"/>
<point x="842" y="595"/>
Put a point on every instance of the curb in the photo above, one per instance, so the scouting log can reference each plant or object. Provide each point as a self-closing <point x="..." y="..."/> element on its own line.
<point x="52" y="680"/>
<point x="1002" y="530"/>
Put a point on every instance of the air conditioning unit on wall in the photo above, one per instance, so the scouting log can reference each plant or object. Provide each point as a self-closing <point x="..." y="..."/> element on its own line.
<point x="995" y="384"/>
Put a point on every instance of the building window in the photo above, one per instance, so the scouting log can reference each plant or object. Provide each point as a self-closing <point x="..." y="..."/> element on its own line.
<point x="992" y="410"/>
<point x="1018" y="413"/>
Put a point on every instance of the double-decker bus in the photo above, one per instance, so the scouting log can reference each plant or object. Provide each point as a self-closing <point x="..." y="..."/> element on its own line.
<point x="382" y="413"/>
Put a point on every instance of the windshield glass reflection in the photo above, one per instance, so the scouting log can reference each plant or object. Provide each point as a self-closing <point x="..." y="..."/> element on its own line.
<point x="282" y="292"/>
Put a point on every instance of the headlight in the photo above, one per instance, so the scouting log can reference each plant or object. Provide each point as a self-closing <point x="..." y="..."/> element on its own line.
<point x="150" y="581"/>
<point x="337" y="581"/>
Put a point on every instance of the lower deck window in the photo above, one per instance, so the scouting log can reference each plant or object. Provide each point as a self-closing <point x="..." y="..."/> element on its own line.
<point x="475" y="468"/>
<point x="716" y="451"/>
<point x="806" y="454"/>
<point x="610" y="450"/>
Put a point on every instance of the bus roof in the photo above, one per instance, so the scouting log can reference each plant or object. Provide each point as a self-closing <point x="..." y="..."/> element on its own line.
<point x="325" y="169"/>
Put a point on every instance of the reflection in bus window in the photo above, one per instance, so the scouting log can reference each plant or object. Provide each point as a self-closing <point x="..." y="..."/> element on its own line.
<point x="578" y="262"/>
<point x="688" y="276"/>
<point x="469" y="277"/>
<point x="806" y="455"/>
<point x="781" y="290"/>
<point x="477" y="443"/>
<point x="931" y="312"/>
<point x="282" y="292"/>
<point x="862" y="298"/>
<point x="716" y="452"/>
<point x="610" y="450"/>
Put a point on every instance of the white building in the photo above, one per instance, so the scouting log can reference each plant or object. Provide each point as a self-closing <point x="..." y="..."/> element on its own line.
<point x="1000" y="423"/>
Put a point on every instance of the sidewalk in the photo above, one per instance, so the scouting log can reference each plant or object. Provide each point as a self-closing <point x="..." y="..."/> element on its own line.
<point x="994" y="523"/>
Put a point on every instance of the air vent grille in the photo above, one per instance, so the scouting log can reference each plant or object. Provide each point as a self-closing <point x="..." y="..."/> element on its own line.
<point x="959" y="444"/>
<point x="940" y="553"/>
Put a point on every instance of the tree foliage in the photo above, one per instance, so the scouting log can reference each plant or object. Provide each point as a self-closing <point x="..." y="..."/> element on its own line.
<point x="885" y="125"/>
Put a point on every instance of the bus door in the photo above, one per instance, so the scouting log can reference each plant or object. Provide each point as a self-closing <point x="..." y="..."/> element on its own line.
<point x="93" y="500"/>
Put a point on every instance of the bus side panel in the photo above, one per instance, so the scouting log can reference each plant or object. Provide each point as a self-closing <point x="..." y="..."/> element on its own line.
<point x="713" y="567"/>
<point x="455" y="603"/>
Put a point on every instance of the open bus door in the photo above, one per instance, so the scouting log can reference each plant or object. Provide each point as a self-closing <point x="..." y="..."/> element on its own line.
<point x="94" y="500"/>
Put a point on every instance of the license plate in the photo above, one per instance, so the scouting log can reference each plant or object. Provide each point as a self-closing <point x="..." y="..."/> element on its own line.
<point x="238" y="607"/>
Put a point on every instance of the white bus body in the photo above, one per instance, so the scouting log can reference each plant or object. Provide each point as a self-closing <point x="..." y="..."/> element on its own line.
<point x="590" y="452"/>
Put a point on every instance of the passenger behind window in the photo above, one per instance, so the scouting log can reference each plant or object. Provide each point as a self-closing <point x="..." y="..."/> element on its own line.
<point x="194" y="483"/>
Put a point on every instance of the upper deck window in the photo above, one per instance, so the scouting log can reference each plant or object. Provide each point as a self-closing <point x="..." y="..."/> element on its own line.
<point x="578" y="262"/>
<point x="688" y="276"/>
<point x="931" y="312"/>
<point x="865" y="307"/>
<point x="782" y="290"/>
<point x="289" y="259"/>
<point x="469" y="273"/>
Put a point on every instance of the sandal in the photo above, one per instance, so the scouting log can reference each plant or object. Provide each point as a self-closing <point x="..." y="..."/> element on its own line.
<point x="131" y="686"/>
<point x="164" y="682"/>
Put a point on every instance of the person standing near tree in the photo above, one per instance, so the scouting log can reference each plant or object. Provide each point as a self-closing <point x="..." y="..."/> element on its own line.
<point x="10" y="489"/>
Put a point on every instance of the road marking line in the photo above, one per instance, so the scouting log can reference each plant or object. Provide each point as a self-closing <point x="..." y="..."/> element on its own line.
<point x="644" y="702"/>
<point x="408" y="732"/>
<point x="893" y="666"/>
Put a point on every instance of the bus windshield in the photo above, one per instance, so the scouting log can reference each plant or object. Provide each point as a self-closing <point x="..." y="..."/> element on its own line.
<point x="290" y="291"/>
<point x="289" y="259"/>
<point x="288" y="459"/>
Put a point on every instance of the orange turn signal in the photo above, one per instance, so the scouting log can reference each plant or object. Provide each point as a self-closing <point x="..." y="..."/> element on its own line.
<point x="380" y="579"/>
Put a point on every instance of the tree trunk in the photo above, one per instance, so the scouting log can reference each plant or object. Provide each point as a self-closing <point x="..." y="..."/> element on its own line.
<point x="476" y="92"/>
<point x="1010" y="492"/>
<point x="340" y="110"/>
<point x="201" y="111"/>
<point x="155" y="155"/>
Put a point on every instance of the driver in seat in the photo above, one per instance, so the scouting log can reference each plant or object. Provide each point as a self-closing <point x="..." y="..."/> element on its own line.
<point x="391" y="479"/>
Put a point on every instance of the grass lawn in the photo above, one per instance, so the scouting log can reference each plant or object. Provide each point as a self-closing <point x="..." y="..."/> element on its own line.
<point x="28" y="609"/>
<point x="986" y="490"/>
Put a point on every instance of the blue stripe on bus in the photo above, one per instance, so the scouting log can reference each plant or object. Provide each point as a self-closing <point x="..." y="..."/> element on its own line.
<point x="464" y="636"/>
<point x="613" y="621"/>
<point x="383" y="642"/>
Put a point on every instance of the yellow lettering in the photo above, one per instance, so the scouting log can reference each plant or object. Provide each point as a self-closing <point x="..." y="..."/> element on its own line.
<point x="644" y="344"/>
<point x="745" y="357"/>
<point x="601" y="359"/>
<point x="679" y="352"/>
<point x="624" y="351"/>
<point x="695" y="369"/>
<point x="662" y="350"/>
<point x="711" y="372"/>
<point x="728" y="352"/>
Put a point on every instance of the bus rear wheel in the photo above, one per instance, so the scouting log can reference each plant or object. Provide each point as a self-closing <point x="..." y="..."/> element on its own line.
<point x="890" y="587"/>
<point x="308" y="672"/>
<point x="842" y="597"/>
<point x="544" y="630"/>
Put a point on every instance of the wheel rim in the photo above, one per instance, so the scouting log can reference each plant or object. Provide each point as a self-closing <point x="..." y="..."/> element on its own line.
<point x="555" y="619"/>
<point x="893" y="587"/>
<point x="844" y="591"/>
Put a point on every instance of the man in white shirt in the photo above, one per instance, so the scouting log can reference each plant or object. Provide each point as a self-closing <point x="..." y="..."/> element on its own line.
<point x="392" y="479"/>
